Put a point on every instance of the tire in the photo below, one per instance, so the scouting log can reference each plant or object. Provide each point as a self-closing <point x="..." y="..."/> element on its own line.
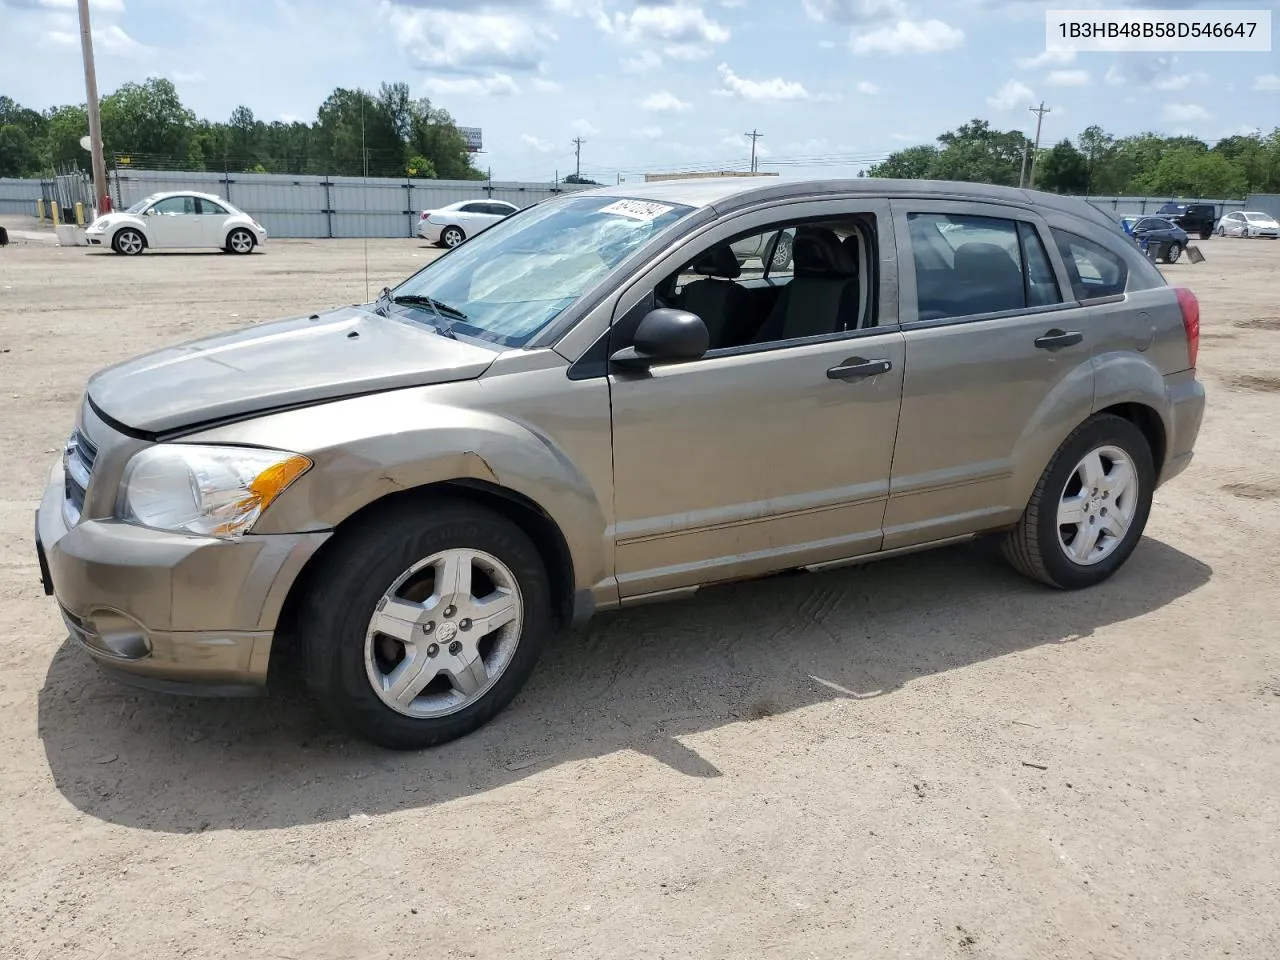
<point x="1206" y="233"/>
<point x="1220" y="232"/>
<point x="782" y="254"/>
<point x="451" y="237"/>
<point x="341" y="645"/>
<point x="128" y="242"/>
<point x="1036" y="547"/>
<point x="240" y="241"/>
<point x="1173" y="253"/>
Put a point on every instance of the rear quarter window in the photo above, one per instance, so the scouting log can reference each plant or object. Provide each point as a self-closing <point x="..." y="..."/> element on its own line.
<point x="1095" y="271"/>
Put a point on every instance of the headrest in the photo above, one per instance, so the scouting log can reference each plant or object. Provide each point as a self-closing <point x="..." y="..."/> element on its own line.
<point x="817" y="252"/>
<point x="984" y="259"/>
<point x="718" y="262"/>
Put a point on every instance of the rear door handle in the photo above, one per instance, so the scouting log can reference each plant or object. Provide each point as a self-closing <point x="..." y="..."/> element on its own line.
<point x="855" y="368"/>
<point x="1056" y="339"/>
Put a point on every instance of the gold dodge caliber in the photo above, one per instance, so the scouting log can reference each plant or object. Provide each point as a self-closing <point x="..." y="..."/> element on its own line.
<point x="603" y="400"/>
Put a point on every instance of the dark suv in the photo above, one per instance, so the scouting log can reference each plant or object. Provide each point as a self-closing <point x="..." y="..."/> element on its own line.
<point x="1195" y="218"/>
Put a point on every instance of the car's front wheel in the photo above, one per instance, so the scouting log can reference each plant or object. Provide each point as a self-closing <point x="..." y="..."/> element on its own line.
<point x="128" y="242"/>
<point x="1089" y="509"/>
<point x="240" y="241"/>
<point x="425" y="623"/>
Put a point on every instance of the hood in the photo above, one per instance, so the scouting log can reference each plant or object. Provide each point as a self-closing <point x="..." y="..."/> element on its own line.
<point x="304" y="360"/>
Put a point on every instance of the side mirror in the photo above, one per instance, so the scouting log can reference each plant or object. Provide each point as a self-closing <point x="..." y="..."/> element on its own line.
<point x="664" y="335"/>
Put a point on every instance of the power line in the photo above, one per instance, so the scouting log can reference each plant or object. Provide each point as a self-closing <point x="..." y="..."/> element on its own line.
<point x="754" y="135"/>
<point x="1039" y="111"/>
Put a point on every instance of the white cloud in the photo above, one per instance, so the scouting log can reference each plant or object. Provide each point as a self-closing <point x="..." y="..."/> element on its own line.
<point x="1046" y="58"/>
<point x="1067" y="78"/>
<point x="536" y="143"/>
<point x="772" y="90"/>
<point x="675" y="23"/>
<point x="687" y="52"/>
<point x="1267" y="81"/>
<point x="448" y="41"/>
<point x="904" y="137"/>
<point x="1184" y="112"/>
<point x="649" y="133"/>
<point x="108" y="41"/>
<point x="106" y="6"/>
<point x="908" y="36"/>
<point x="867" y="87"/>
<point x="495" y="85"/>
<point x="853" y="11"/>
<point x="543" y="85"/>
<point x="664" y="102"/>
<point x="584" y="128"/>
<point x="193" y="76"/>
<point x="642" y="62"/>
<point x="1012" y="94"/>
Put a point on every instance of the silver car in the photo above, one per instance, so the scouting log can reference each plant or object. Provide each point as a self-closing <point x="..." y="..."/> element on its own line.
<point x="587" y="406"/>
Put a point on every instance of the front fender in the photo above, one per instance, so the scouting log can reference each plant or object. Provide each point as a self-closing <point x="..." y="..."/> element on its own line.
<point x="365" y="448"/>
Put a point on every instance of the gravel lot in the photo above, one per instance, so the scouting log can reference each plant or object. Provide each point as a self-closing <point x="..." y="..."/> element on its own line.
<point x="926" y="757"/>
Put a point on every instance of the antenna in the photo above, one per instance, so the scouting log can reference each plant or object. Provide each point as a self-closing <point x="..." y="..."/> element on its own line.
<point x="364" y="156"/>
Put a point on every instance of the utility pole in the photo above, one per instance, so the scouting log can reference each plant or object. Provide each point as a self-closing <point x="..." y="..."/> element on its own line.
<point x="100" y="199"/>
<point x="1022" y="173"/>
<point x="754" y="135"/>
<point x="1039" y="111"/>
<point x="577" y="156"/>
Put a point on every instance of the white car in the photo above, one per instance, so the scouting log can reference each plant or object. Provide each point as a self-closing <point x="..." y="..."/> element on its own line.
<point x="449" y="226"/>
<point x="1248" y="223"/>
<point x="169" y="220"/>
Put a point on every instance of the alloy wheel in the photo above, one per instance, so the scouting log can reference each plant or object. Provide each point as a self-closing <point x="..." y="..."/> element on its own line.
<point x="1097" y="505"/>
<point x="443" y="633"/>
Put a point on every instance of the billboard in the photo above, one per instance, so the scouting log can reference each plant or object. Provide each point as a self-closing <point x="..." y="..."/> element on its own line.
<point x="472" y="135"/>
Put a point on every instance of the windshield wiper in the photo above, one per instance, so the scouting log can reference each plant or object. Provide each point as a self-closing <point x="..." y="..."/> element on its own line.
<point x="437" y="307"/>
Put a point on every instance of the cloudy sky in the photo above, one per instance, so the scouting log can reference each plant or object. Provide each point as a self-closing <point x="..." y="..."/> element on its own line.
<point x="651" y="84"/>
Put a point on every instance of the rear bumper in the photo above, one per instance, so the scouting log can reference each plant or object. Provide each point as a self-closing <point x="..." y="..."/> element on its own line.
<point x="183" y="613"/>
<point x="1186" y="411"/>
<point x="429" y="231"/>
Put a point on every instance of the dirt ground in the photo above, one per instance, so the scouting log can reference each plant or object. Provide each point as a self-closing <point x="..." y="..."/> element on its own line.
<point x="923" y="758"/>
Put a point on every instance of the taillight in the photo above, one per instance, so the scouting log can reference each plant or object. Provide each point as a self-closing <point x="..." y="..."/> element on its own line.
<point x="425" y="214"/>
<point x="1190" y="308"/>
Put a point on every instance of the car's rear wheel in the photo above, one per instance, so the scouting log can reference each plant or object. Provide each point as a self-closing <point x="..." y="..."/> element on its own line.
<point x="423" y="625"/>
<point x="240" y="241"/>
<point x="452" y="236"/>
<point x="1089" y="509"/>
<point x="781" y="253"/>
<point x="1205" y="234"/>
<point x="1173" y="253"/>
<point x="128" y="242"/>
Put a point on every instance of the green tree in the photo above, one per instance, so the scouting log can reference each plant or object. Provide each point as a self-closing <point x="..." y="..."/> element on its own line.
<point x="1188" y="172"/>
<point x="433" y="134"/>
<point x="912" y="163"/>
<point x="147" y="118"/>
<point x="64" y="128"/>
<point x="1063" y="169"/>
<point x="1097" y="147"/>
<point x="19" y="154"/>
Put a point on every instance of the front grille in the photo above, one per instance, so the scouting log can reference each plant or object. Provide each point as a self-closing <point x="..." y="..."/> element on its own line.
<point x="77" y="463"/>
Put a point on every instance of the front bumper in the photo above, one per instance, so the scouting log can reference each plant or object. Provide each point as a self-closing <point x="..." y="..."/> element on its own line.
<point x="185" y="613"/>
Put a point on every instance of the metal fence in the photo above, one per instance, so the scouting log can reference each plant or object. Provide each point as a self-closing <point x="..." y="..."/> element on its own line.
<point x="314" y="206"/>
<point x="18" y="197"/>
<point x="1264" y="203"/>
<point x="1141" y="206"/>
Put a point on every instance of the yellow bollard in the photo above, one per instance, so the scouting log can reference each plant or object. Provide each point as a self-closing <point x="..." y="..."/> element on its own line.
<point x="79" y="214"/>
<point x="53" y="206"/>
<point x="40" y="209"/>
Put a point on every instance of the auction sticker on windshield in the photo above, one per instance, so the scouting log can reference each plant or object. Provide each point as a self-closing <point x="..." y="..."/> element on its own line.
<point x="643" y="210"/>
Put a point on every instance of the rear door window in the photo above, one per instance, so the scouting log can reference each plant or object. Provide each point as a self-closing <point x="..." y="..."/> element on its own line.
<point x="972" y="265"/>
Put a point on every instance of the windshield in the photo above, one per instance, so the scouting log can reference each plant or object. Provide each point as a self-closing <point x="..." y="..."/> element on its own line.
<point x="508" y="283"/>
<point x="142" y="204"/>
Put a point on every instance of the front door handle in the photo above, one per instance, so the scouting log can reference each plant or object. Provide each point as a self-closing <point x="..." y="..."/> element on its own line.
<point x="855" y="368"/>
<point x="1056" y="339"/>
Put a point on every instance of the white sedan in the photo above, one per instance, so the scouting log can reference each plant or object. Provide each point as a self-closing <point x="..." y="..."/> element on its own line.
<point x="169" y="220"/>
<point x="449" y="226"/>
<point x="1248" y="223"/>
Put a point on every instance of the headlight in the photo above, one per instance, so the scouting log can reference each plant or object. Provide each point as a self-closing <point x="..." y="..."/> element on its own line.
<point x="205" y="490"/>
